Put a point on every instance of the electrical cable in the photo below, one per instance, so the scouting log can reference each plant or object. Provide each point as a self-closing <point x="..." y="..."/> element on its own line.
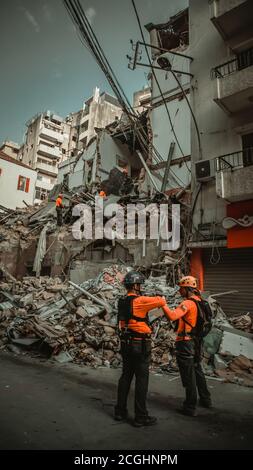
<point x="79" y="18"/>
<point x="191" y="111"/>
<point x="158" y="84"/>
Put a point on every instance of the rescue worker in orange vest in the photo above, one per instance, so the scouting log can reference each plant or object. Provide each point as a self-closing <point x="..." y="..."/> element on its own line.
<point x="188" y="347"/>
<point x="102" y="194"/>
<point x="59" y="206"/>
<point x="135" y="348"/>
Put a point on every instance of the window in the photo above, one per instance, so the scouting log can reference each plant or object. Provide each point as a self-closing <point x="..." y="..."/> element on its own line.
<point x="247" y="146"/>
<point x="74" y="138"/>
<point x="63" y="151"/>
<point x="23" y="183"/>
<point x="41" y="193"/>
<point x="85" y="126"/>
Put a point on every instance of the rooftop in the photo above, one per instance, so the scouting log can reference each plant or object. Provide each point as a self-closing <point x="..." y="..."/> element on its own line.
<point x="5" y="157"/>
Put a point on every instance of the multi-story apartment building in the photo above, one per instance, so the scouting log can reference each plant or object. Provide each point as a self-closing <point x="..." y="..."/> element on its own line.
<point x="50" y="139"/>
<point x="221" y="45"/>
<point x="10" y="148"/>
<point x="47" y="144"/>
<point x="141" y="99"/>
<point x="98" y="111"/>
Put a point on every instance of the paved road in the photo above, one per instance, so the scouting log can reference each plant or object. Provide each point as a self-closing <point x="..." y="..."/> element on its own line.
<point x="46" y="406"/>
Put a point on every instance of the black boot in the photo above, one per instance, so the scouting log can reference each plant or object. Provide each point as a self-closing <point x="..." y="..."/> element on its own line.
<point x="145" y="421"/>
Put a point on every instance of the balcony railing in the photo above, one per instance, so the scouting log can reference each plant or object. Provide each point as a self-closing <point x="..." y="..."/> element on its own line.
<point x="242" y="61"/>
<point x="238" y="159"/>
<point x="47" y="168"/>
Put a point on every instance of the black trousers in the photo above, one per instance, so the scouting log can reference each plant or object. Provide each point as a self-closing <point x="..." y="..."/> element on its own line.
<point x="59" y="216"/>
<point x="188" y="355"/>
<point x="136" y="356"/>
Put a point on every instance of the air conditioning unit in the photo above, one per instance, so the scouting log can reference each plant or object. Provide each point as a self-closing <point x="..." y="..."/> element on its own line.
<point x="164" y="61"/>
<point x="205" y="170"/>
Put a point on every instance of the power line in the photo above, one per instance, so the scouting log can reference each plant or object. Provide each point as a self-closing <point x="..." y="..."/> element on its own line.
<point x="158" y="84"/>
<point x="86" y="31"/>
<point x="191" y="110"/>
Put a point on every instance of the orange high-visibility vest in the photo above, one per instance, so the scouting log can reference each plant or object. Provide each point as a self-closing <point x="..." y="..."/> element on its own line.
<point x="58" y="202"/>
<point x="141" y="306"/>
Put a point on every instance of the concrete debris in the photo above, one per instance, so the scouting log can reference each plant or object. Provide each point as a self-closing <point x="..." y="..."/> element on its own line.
<point x="41" y="320"/>
<point x="239" y="371"/>
<point x="236" y="342"/>
<point x="219" y="363"/>
<point x="69" y="322"/>
<point x="63" y="357"/>
<point x="243" y="322"/>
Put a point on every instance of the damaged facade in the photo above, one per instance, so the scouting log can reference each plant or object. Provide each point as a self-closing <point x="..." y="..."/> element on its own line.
<point x="17" y="183"/>
<point x="222" y="170"/>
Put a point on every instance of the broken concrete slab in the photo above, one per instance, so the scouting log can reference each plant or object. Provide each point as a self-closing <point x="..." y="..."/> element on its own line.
<point x="26" y="300"/>
<point x="63" y="357"/>
<point x="81" y="312"/>
<point x="236" y="343"/>
<point x="219" y="363"/>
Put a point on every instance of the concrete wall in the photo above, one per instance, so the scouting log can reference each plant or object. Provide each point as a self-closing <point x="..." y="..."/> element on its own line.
<point x="29" y="151"/>
<point x="222" y="6"/>
<point x="110" y="149"/>
<point x="99" y="114"/>
<point x="235" y="91"/>
<point x="235" y="185"/>
<point x="180" y="117"/>
<point x="65" y="168"/>
<point x="11" y="148"/>
<point x="10" y="196"/>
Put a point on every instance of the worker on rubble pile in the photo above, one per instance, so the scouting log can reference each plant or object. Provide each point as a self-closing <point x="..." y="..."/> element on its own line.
<point x="102" y="194"/>
<point x="194" y="322"/>
<point x="59" y="207"/>
<point x="135" y="335"/>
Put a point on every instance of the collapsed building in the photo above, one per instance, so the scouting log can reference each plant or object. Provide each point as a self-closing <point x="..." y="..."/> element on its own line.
<point x="38" y="259"/>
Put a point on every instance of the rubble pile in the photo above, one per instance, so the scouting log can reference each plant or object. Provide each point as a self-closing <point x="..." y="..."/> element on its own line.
<point x="70" y="322"/>
<point x="48" y="317"/>
<point x="243" y="322"/>
<point x="239" y="370"/>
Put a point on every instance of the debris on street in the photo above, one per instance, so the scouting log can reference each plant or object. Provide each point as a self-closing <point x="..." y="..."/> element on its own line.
<point x="68" y="322"/>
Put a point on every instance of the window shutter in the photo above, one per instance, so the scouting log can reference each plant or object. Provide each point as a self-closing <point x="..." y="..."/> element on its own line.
<point x="19" y="181"/>
<point x="27" y="184"/>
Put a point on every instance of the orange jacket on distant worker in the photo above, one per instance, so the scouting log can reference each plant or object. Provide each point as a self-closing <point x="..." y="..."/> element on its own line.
<point x="187" y="310"/>
<point x="141" y="306"/>
<point x="102" y="194"/>
<point x="58" y="202"/>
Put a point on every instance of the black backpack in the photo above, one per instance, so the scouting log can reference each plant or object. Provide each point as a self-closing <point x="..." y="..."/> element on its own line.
<point x="204" y="319"/>
<point x="125" y="310"/>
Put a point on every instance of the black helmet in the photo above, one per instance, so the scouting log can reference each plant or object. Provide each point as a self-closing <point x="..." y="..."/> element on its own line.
<point x="133" y="277"/>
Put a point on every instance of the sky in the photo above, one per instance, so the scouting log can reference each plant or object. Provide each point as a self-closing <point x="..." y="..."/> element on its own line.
<point x="44" y="65"/>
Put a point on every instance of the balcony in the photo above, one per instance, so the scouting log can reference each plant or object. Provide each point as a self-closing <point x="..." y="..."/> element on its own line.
<point x="233" y="20"/>
<point x="84" y="118"/>
<point x="49" y="169"/>
<point x="47" y="185"/>
<point x="83" y="136"/>
<point x="234" y="175"/>
<point x="52" y="152"/>
<point x="51" y="135"/>
<point x="234" y="83"/>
